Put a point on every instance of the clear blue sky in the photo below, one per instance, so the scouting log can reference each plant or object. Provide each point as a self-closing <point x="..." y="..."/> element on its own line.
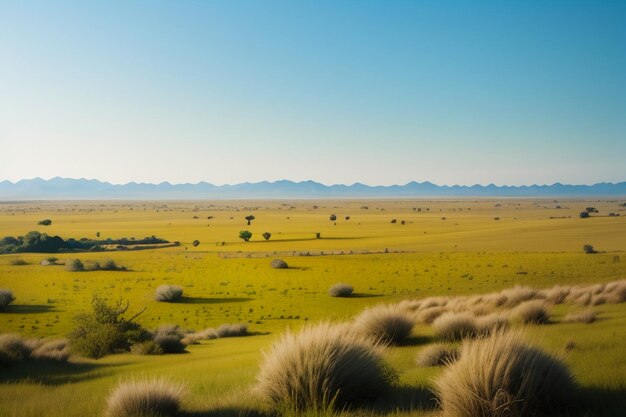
<point x="378" y="92"/>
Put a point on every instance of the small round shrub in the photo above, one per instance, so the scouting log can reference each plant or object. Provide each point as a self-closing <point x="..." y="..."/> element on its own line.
<point x="323" y="365"/>
<point x="455" y="326"/>
<point x="74" y="265"/>
<point x="279" y="264"/>
<point x="6" y="297"/>
<point x="168" y="293"/>
<point x="18" y="262"/>
<point x="385" y="323"/>
<point x="587" y="317"/>
<point x="169" y="338"/>
<point x="503" y="376"/>
<point x="13" y="348"/>
<point x="232" y="330"/>
<point x="56" y="350"/>
<point x="341" y="290"/>
<point x="532" y="312"/>
<point x="153" y="398"/>
<point x="436" y="355"/>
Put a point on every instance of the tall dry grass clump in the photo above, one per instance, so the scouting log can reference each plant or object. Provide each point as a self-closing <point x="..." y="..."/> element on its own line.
<point x="322" y="366"/>
<point x="436" y="355"/>
<point x="341" y="290"/>
<point x="6" y="297"/>
<point x="532" y="312"/>
<point x="148" y="398"/>
<point x="503" y="376"/>
<point x="168" y="293"/>
<point x="232" y="330"/>
<point x="587" y="317"/>
<point x="12" y="348"/>
<point x="385" y="323"/>
<point x="455" y="326"/>
<point x="517" y="295"/>
<point x="57" y="350"/>
<point x="429" y="315"/>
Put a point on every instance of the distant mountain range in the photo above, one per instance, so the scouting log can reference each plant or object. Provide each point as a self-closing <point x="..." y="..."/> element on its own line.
<point x="67" y="189"/>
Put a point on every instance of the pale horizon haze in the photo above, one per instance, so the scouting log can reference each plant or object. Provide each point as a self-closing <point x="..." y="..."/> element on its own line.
<point x="377" y="92"/>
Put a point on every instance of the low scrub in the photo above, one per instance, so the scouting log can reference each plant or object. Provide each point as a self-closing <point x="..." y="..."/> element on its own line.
<point x="74" y="265"/>
<point x="436" y="355"/>
<point x="104" y="330"/>
<point x="196" y="337"/>
<point x="323" y="366"/>
<point x="14" y="348"/>
<point x="341" y="290"/>
<point x="147" y="347"/>
<point x="18" y="262"/>
<point x="169" y="338"/>
<point x="232" y="330"/>
<point x="385" y="323"/>
<point x="532" y="312"/>
<point x="587" y="316"/>
<point x="455" y="326"/>
<point x="279" y="264"/>
<point x="6" y="298"/>
<point x="503" y="376"/>
<point x="149" y="398"/>
<point x="168" y="293"/>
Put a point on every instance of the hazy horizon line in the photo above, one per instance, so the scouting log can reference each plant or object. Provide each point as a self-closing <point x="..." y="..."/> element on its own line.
<point x="309" y="180"/>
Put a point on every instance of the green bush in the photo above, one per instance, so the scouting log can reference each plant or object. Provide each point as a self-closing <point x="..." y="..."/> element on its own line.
<point x="104" y="330"/>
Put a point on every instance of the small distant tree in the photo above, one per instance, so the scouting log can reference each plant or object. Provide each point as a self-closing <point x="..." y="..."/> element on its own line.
<point x="393" y="221"/>
<point x="589" y="249"/>
<point x="584" y="214"/>
<point x="267" y="235"/>
<point x="46" y="222"/>
<point x="249" y="219"/>
<point x="195" y="243"/>
<point x="97" y="234"/>
<point x="245" y="235"/>
<point x="591" y="210"/>
<point x="333" y="217"/>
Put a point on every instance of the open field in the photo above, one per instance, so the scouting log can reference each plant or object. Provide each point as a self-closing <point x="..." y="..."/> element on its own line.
<point x="444" y="248"/>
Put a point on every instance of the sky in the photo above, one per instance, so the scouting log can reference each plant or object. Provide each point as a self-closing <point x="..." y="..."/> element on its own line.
<point x="378" y="92"/>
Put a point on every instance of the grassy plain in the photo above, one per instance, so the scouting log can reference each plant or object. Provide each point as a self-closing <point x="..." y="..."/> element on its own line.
<point x="448" y="247"/>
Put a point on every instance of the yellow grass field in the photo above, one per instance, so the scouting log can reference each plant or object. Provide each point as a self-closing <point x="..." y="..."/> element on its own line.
<point x="434" y="248"/>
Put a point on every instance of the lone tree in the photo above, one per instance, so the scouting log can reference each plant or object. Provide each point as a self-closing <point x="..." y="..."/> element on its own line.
<point x="195" y="243"/>
<point x="589" y="249"/>
<point x="46" y="222"/>
<point x="267" y="235"/>
<point x="250" y="218"/>
<point x="584" y="214"/>
<point x="245" y="235"/>
<point x="333" y="217"/>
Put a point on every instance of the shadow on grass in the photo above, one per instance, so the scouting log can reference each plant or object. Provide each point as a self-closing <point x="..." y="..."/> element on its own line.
<point x="46" y="372"/>
<point x="29" y="308"/>
<point x="417" y="341"/>
<point x="600" y="402"/>
<point x="405" y="398"/>
<point x="362" y="295"/>
<point x="203" y="300"/>
<point x="227" y="412"/>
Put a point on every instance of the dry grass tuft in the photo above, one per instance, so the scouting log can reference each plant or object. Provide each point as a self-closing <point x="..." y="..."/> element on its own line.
<point x="57" y="350"/>
<point x="385" y="323"/>
<point x="6" y="297"/>
<point x="503" y="376"/>
<point x="153" y="398"/>
<point x="323" y="366"/>
<point x="532" y="312"/>
<point x="168" y="293"/>
<point x="428" y="315"/>
<point x="341" y="290"/>
<point x="436" y="355"/>
<point x="455" y="326"/>
<point x="587" y="316"/>
<point x="232" y="330"/>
